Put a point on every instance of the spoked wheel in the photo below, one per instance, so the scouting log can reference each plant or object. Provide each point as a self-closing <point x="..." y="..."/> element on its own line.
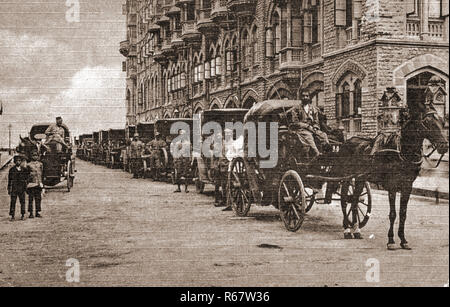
<point x="239" y="195"/>
<point x="363" y="209"/>
<point x="310" y="199"/>
<point x="69" y="176"/>
<point x="292" y="200"/>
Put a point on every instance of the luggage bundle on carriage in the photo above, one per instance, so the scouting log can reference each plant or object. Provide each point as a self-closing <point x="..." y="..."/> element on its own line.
<point x="207" y="169"/>
<point x="292" y="184"/>
<point x="58" y="161"/>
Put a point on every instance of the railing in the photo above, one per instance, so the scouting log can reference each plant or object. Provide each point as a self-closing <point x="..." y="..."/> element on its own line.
<point x="204" y="14"/>
<point x="291" y="56"/>
<point x="349" y="35"/>
<point x="176" y="36"/>
<point x="435" y="28"/>
<point x="413" y="28"/>
<point x="189" y="26"/>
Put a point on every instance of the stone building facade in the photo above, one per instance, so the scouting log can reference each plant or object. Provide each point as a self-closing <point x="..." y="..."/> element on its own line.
<point x="184" y="56"/>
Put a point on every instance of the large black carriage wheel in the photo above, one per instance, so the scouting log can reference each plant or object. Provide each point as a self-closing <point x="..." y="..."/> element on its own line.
<point x="69" y="175"/>
<point x="292" y="200"/>
<point x="239" y="195"/>
<point x="310" y="199"/>
<point x="363" y="208"/>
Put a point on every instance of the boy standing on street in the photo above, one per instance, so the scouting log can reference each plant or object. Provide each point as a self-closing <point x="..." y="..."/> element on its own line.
<point x="35" y="185"/>
<point x="17" y="184"/>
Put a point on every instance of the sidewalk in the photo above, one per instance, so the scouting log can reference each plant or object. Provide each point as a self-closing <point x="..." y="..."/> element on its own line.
<point x="433" y="182"/>
<point x="5" y="158"/>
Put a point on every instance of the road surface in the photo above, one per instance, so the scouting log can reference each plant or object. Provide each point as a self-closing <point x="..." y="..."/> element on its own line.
<point x="138" y="233"/>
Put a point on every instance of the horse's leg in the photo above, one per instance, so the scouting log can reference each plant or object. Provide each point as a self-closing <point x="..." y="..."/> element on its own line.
<point x="392" y="217"/>
<point x="404" y="199"/>
<point x="359" y="187"/>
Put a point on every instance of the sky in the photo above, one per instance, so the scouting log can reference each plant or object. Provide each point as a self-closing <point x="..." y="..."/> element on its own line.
<point x="56" y="62"/>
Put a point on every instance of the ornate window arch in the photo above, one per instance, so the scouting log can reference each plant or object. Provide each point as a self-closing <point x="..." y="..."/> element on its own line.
<point x="349" y="102"/>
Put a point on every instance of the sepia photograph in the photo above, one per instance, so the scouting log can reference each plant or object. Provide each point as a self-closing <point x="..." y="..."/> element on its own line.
<point x="224" y="150"/>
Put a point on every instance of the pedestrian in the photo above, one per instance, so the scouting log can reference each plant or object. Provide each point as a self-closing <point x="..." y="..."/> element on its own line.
<point x="182" y="162"/>
<point x="17" y="184"/>
<point x="136" y="151"/>
<point x="35" y="185"/>
<point x="156" y="163"/>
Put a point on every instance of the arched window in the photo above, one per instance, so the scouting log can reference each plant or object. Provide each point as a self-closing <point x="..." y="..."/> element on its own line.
<point x="276" y="28"/>
<point x="357" y="98"/>
<point x="245" y="50"/>
<point x="349" y="103"/>
<point x="228" y="58"/>
<point x="254" y="47"/>
<point x="218" y="60"/>
<point x="345" y="104"/>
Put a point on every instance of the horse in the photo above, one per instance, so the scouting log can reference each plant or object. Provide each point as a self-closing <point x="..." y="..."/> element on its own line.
<point x="26" y="147"/>
<point x="392" y="161"/>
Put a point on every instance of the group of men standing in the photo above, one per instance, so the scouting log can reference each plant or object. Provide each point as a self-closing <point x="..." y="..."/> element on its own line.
<point x="151" y="150"/>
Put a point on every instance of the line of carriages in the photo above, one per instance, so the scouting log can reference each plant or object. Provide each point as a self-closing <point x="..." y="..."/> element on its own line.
<point x="240" y="182"/>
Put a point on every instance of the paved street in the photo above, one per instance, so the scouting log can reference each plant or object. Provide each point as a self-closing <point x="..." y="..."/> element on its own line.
<point x="138" y="233"/>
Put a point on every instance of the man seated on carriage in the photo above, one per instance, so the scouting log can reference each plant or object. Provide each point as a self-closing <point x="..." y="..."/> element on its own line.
<point x="55" y="135"/>
<point x="306" y="124"/>
<point x="154" y="147"/>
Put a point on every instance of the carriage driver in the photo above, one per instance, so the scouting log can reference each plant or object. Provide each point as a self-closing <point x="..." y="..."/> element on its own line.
<point x="306" y="123"/>
<point x="155" y="146"/>
<point x="55" y="133"/>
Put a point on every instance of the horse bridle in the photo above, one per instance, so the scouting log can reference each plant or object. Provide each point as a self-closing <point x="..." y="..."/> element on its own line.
<point x="432" y="145"/>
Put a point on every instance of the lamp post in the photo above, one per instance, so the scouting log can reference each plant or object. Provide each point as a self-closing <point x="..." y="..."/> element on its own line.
<point x="9" y="139"/>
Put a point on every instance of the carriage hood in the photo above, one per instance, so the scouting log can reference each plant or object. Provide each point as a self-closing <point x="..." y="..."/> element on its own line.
<point x="270" y="108"/>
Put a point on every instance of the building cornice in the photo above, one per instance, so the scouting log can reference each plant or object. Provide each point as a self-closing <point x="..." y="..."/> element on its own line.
<point x="386" y="42"/>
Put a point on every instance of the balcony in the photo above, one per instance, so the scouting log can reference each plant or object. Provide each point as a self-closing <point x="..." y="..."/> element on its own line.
<point x="166" y="49"/>
<point x="176" y="40"/>
<point x="158" y="56"/>
<point x="163" y="20"/>
<point x="180" y="3"/>
<point x="190" y="33"/>
<point x="132" y="20"/>
<point x="124" y="48"/>
<point x="205" y="24"/>
<point x="242" y="7"/>
<point x="291" y="58"/>
<point x="435" y="29"/>
<point x="153" y="28"/>
<point x="173" y="11"/>
<point x="131" y="72"/>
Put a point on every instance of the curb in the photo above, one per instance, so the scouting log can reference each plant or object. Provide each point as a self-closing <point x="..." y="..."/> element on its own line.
<point x="5" y="164"/>
<point x="422" y="192"/>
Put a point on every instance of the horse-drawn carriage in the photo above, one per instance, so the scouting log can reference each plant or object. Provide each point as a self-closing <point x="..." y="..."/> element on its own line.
<point x="291" y="184"/>
<point x="163" y="127"/>
<point x="204" y="167"/>
<point x="115" y="144"/>
<point x="57" y="158"/>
